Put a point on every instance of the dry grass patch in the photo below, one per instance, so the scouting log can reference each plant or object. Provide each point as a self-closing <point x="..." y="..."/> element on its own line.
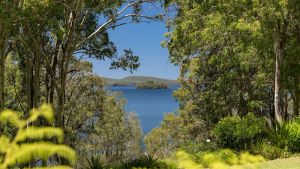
<point x="289" y="163"/>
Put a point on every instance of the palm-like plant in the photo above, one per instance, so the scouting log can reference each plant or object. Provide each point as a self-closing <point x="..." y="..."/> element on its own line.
<point x="94" y="163"/>
<point x="145" y="161"/>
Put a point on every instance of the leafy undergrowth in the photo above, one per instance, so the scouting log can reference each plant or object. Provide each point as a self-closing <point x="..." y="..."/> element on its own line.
<point x="222" y="159"/>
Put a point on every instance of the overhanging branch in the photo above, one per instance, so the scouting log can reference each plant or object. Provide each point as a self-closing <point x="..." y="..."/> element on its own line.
<point x="113" y="19"/>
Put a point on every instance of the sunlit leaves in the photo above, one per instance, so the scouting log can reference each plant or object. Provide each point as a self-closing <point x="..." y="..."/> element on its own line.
<point x="16" y="151"/>
<point x="36" y="133"/>
<point x="53" y="167"/>
<point x="28" y="152"/>
<point x="35" y="2"/>
<point x="222" y="159"/>
<point x="11" y="117"/>
<point x="44" y="111"/>
<point x="4" y="144"/>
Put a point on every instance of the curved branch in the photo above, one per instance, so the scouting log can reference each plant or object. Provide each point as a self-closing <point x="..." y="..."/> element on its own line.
<point x="111" y="20"/>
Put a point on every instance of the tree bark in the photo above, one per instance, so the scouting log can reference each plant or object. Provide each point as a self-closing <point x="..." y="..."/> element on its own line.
<point x="28" y="77"/>
<point x="54" y="67"/>
<point x="277" y="94"/>
<point x="3" y="53"/>
<point x="279" y="45"/>
<point x="66" y="55"/>
<point x="296" y="103"/>
<point x="36" y="81"/>
<point x="2" y="77"/>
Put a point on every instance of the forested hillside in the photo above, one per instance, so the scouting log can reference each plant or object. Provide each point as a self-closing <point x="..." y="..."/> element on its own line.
<point x="134" y="80"/>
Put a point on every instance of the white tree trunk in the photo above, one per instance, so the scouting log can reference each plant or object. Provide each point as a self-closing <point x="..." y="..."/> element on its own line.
<point x="278" y="49"/>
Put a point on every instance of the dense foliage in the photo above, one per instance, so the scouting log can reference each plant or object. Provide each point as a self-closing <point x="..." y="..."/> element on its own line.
<point x="221" y="159"/>
<point x="292" y="130"/>
<point x="239" y="133"/>
<point x="46" y="53"/>
<point x="234" y="58"/>
<point x="228" y="53"/>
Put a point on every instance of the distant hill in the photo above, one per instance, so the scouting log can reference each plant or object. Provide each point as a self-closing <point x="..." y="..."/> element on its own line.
<point x="151" y="85"/>
<point x="134" y="80"/>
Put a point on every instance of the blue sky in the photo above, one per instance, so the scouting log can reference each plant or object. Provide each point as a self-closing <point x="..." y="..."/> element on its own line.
<point x="144" y="39"/>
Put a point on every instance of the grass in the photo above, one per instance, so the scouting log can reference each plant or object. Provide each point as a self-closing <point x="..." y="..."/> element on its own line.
<point x="289" y="163"/>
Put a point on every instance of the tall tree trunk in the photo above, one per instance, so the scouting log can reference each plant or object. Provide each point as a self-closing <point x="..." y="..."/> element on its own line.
<point x="2" y="77"/>
<point x="36" y="81"/>
<point x="296" y="106"/>
<point x="2" y="72"/>
<point x="60" y="109"/>
<point x="279" y="45"/>
<point x="54" y="67"/>
<point x="28" y="78"/>
<point x="66" y="55"/>
<point x="3" y="48"/>
<point x="286" y="106"/>
<point x="278" y="92"/>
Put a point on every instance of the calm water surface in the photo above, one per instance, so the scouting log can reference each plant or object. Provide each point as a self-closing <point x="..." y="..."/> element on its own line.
<point x="149" y="104"/>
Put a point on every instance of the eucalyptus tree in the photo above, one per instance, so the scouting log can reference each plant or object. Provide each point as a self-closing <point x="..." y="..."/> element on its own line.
<point x="8" y="10"/>
<point x="68" y="31"/>
<point x="50" y="42"/>
<point x="111" y="133"/>
<point x="281" y="19"/>
<point x="232" y="55"/>
<point x="218" y="69"/>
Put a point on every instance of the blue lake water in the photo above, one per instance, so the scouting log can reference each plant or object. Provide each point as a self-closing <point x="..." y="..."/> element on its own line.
<point x="149" y="104"/>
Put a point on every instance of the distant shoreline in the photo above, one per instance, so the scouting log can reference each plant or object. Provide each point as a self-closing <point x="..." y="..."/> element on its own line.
<point x="171" y="87"/>
<point x="140" y="82"/>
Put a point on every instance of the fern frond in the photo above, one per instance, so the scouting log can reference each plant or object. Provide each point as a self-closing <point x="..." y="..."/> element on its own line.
<point x="54" y="167"/>
<point x="45" y="111"/>
<point x="15" y="152"/>
<point x="11" y="117"/>
<point x="4" y="143"/>
<point x="40" y="133"/>
<point x="29" y="152"/>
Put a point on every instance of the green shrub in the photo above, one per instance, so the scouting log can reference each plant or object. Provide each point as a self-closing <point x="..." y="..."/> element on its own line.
<point x="287" y="136"/>
<point x="278" y="136"/>
<point x="293" y="135"/>
<point x="269" y="151"/>
<point x="239" y="133"/>
<point x="224" y="155"/>
<point x="196" y="147"/>
<point x="221" y="159"/>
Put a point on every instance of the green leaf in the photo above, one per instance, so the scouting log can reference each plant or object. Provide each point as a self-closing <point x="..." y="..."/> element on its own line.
<point x="45" y="111"/>
<point x="40" y="133"/>
<point x="12" y="117"/>
<point x="54" y="167"/>
<point x="4" y="143"/>
<point x="28" y="152"/>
